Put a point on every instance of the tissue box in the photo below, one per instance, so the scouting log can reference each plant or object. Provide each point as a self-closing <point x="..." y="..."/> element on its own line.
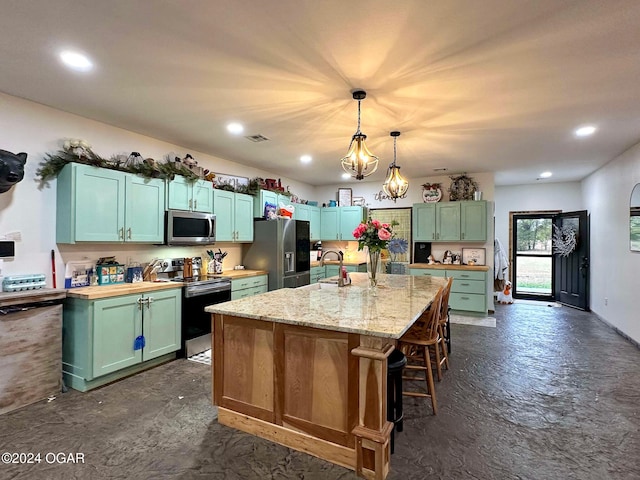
<point x="134" y="275"/>
<point x="110" y="274"/>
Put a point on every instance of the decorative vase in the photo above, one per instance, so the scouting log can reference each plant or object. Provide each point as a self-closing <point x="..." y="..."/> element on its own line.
<point x="373" y="266"/>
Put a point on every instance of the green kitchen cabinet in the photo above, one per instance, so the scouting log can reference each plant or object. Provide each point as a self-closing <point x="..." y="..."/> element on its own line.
<point x="101" y="205"/>
<point x="447" y="221"/>
<point x="249" y="286"/>
<point x="267" y="196"/>
<point x="424" y="222"/>
<point x="473" y="221"/>
<point x="317" y="274"/>
<point x="311" y="214"/>
<point x="183" y="194"/>
<point x="334" y="270"/>
<point x="338" y="223"/>
<point x="99" y="336"/>
<point x="234" y="216"/>
<point x="450" y="221"/>
<point x="468" y="290"/>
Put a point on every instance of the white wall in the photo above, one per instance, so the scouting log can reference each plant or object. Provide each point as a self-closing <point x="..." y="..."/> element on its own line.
<point x="35" y="129"/>
<point x="524" y="198"/>
<point x="615" y="270"/>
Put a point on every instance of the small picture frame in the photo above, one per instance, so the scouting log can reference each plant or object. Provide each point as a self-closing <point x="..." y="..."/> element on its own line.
<point x="344" y="197"/>
<point x="477" y="256"/>
<point x="358" y="202"/>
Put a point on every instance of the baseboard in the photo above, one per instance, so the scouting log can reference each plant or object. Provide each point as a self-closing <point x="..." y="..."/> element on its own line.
<point x="618" y="331"/>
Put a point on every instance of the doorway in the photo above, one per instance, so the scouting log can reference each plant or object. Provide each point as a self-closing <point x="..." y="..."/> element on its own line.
<point x="532" y="256"/>
<point x="550" y="257"/>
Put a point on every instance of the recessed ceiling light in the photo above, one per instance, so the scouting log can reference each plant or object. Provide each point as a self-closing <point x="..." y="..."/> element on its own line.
<point x="76" y="61"/>
<point x="235" y="128"/>
<point x="585" y="131"/>
<point x="545" y="174"/>
<point x="306" y="159"/>
<point x="346" y="176"/>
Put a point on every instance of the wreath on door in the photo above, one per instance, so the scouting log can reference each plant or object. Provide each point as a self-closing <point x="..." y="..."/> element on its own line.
<point x="565" y="240"/>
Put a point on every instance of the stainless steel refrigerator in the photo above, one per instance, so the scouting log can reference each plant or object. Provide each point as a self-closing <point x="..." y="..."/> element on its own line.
<point x="281" y="247"/>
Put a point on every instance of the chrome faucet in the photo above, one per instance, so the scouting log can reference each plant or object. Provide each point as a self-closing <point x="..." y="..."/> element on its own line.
<point x="340" y="258"/>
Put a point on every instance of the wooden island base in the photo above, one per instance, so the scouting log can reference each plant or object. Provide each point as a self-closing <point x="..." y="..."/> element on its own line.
<point x="318" y="391"/>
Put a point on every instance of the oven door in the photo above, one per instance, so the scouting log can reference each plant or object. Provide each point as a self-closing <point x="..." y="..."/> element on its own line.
<point x="196" y="323"/>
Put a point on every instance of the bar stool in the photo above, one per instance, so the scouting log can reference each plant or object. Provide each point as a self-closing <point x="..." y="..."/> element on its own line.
<point x="395" y="364"/>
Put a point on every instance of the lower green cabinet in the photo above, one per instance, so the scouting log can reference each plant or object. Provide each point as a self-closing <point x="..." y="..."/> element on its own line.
<point x="107" y="339"/>
<point x="248" y="286"/>
<point x="468" y="290"/>
<point x="316" y="274"/>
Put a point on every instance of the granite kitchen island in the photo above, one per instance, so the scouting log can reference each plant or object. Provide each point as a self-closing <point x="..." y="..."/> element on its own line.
<point x="306" y="367"/>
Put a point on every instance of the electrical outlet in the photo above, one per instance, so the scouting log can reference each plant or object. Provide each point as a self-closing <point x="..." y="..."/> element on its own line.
<point x="606" y="301"/>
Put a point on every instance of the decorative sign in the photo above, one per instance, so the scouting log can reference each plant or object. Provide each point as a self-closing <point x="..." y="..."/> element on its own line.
<point x="380" y="196"/>
<point x="431" y="192"/>
<point x="474" y="256"/>
<point x="234" y="181"/>
<point x="358" y="201"/>
<point x="344" y="197"/>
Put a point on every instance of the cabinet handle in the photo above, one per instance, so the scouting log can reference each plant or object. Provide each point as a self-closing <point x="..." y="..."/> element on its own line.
<point x="140" y="301"/>
<point x="464" y="298"/>
<point x="195" y="204"/>
<point x="462" y="236"/>
<point x="190" y="204"/>
<point x="129" y="233"/>
<point x="433" y="236"/>
<point x="149" y="300"/>
<point x="464" y="284"/>
<point x="337" y="237"/>
<point x="121" y="233"/>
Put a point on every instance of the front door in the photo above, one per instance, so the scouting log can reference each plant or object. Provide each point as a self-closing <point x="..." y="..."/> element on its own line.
<point x="571" y="253"/>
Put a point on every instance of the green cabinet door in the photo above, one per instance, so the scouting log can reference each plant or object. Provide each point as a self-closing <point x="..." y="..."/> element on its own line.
<point x="161" y="325"/>
<point x="116" y="324"/>
<point x="98" y="203"/>
<point x="448" y="221"/>
<point x="179" y="196"/>
<point x="314" y="222"/>
<point x="329" y="218"/>
<point x="144" y="211"/>
<point x="350" y="217"/>
<point x="301" y="212"/>
<point x="223" y="207"/>
<point x="243" y="217"/>
<point x="473" y="221"/>
<point x="424" y="222"/>
<point x="264" y="196"/>
<point x="202" y="194"/>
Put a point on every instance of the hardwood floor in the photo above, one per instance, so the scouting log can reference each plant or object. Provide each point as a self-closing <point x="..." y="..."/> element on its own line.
<point x="550" y="393"/>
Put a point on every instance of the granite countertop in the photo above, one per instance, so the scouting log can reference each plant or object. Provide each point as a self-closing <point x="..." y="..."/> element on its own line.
<point x="443" y="266"/>
<point x="106" y="291"/>
<point x="398" y="302"/>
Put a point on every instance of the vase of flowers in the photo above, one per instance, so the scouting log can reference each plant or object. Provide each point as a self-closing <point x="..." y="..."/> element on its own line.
<point x="375" y="236"/>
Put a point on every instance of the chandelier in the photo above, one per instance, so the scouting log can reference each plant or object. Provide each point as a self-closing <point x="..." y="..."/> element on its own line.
<point x="395" y="186"/>
<point x="359" y="162"/>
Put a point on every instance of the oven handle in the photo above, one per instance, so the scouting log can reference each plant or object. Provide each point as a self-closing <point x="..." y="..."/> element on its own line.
<point x="198" y="290"/>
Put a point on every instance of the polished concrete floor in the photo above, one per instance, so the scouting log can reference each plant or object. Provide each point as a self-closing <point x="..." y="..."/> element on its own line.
<point x="551" y="393"/>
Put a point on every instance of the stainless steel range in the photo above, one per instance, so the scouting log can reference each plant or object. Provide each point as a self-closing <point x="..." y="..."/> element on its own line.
<point x="198" y="291"/>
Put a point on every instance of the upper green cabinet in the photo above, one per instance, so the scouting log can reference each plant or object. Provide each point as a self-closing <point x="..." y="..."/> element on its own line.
<point x="102" y="205"/>
<point x="234" y="216"/>
<point x="311" y="214"/>
<point x="267" y="196"/>
<point x="450" y="221"/>
<point x="338" y="223"/>
<point x="192" y="196"/>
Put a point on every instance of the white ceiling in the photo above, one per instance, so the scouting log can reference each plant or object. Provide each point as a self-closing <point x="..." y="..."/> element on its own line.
<point x="472" y="85"/>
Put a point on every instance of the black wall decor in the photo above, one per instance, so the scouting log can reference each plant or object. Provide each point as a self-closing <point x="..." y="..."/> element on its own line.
<point x="11" y="169"/>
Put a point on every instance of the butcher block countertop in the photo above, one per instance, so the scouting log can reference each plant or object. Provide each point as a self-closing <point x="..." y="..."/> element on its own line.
<point x="30" y="296"/>
<point x="235" y="274"/>
<point x="106" y="291"/>
<point x="443" y="266"/>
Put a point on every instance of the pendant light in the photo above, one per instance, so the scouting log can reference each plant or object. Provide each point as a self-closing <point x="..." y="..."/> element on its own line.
<point x="359" y="162"/>
<point x="395" y="186"/>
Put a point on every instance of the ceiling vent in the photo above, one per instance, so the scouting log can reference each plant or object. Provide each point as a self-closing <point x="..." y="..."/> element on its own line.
<point x="256" y="138"/>
<point x="440" y="169"/>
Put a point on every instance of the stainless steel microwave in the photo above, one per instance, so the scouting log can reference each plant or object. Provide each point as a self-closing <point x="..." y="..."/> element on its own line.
<point x="189" y="228"/>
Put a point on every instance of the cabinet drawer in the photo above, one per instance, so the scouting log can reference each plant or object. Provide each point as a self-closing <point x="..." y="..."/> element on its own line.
<point x="248" y="282"/>
<point x="467" y="274"/>
<point x="468" y="286"/>
<point x="428" y="272"/>
<point x="248" y="292"/>
<point x="467" y="301"/>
